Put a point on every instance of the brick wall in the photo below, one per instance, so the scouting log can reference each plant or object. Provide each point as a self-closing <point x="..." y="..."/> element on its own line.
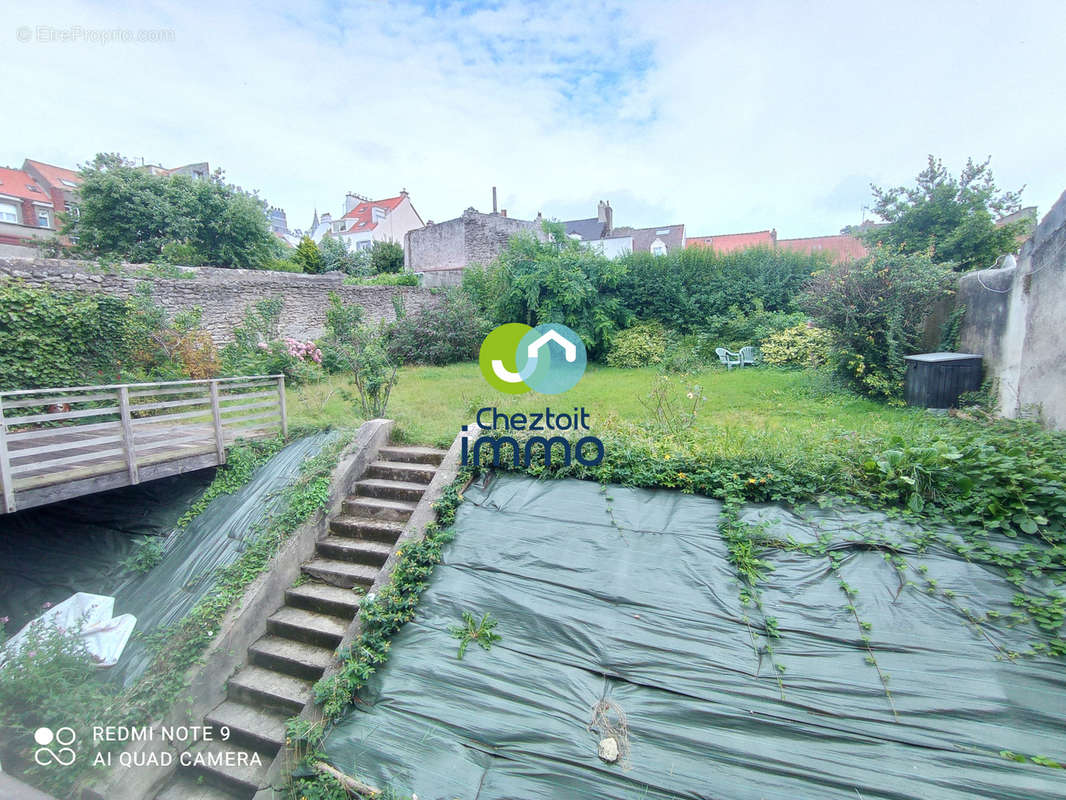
<point x="223" y="294"/>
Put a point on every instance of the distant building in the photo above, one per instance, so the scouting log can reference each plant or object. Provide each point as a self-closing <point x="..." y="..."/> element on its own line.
<point x="27" y="210"/>
<point x="277" y="220"/>
<point x="60" y="183"/>
<point x="441" y="251"/>
<point x="367" y="221"/>
<point x="731" y="242"/>
<point x="841" y="247"/>
<point x="199" y="171"/>
<point x="600" y="234"/>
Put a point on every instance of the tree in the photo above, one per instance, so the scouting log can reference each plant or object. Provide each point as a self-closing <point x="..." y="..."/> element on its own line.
<point x="308" y="257"/>
<point x="953" y="219"/>
<point x="876" y="309"/>
<point x="386" y="257"/>
<point x="535" y="282"/>
<point x="130" y="213"/>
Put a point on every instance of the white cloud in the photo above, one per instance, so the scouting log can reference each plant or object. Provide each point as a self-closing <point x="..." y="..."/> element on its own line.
<point x="726" y="116"/>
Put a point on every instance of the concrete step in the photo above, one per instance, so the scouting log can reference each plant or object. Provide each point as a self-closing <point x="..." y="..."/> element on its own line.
<point x="390" y="490"/>
<point x="379" y="508"/>
<point x="258" y="729"/>
<point x="409" y="471"/>
<point x="380" y="530"/>
<point x="340" y="573"/>
<point x="324" y="597"/>
<point x="229" y="766"/>
<point x="184" y="786"/>
<point x="311" y="627"/>
<point x="298" y="659"/>
<point x="269" y="688"/>
<point x="415" y="455"/>
<point x="358" y="551"/>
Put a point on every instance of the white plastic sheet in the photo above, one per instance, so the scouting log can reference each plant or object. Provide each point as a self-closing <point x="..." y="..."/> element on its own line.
<point x="103" y="634"/>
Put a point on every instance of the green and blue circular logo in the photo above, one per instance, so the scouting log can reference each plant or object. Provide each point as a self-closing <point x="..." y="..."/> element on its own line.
<point x="516" y="358"/>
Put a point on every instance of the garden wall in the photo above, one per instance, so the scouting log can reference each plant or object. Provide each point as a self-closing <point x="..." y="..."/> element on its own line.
<point x="1014" y="318"/>
<point x="223" y="294"/>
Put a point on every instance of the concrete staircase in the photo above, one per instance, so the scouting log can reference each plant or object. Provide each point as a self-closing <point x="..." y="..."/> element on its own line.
<point x="301" y="636"/>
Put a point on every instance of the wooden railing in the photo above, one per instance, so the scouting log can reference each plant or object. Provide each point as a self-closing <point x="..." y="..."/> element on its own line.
<point x="74" y="430"/>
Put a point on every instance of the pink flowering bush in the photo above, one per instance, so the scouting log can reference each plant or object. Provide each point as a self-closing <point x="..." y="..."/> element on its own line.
<point x="305" y="351"/>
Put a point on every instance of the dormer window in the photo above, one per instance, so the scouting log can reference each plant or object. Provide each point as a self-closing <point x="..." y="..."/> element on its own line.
<point x="658" y="248"/>
<point x="377" y="214"/>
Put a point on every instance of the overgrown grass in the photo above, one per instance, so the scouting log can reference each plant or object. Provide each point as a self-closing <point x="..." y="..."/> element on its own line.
<point x="744" y="408"/>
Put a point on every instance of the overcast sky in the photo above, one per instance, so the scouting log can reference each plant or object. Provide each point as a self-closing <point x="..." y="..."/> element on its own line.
<point x="726" y="116"/>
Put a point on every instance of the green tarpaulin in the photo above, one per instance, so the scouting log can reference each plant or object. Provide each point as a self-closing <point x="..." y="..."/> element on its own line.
<point x="627" y="596"/>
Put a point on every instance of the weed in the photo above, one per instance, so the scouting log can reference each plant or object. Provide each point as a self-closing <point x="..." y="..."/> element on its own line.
<point x="147" y="554"/>
<point x="473" y="631"/>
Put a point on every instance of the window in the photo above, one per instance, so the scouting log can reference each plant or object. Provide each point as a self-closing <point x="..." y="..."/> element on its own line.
<point x="363" y="245"/>
<point x="65" y="182"/>
<point x="8" y="213"/>
<point x="658" y="248"/>
<point x="44" y="219"/>
<point x="72" y="211"/>
<point x="377" y="214"/>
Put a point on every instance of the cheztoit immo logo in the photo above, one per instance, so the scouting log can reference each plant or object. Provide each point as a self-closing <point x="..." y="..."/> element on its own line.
<point x="549" y="359"/>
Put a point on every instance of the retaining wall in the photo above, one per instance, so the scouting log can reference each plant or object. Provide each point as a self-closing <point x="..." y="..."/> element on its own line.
<point x="1015" y="318"/>
<point x="223" y="294"/>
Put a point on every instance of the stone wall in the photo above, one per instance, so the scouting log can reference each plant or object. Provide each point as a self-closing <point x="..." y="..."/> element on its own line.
<point x="1015" y="319"/>
<point x="223" y="294"/>
<point x="457" y="243"/>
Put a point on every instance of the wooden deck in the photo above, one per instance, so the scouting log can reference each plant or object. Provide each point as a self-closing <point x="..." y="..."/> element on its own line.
<point x="56" y="444"/>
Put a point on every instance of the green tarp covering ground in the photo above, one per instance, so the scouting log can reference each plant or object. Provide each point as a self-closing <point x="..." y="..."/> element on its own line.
<point x="627" y="596"/>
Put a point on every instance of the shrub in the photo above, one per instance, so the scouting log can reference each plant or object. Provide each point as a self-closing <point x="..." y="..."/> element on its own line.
<point x="308" y="258"/>
<point x="641" y="345"/>
<point x="800" y="346"/>
<point x="535" y="282"/>
<point x="442" y="334"/>
<point x="685" y="288"/>
<point x="386" y="257"/>
<point x="739" y="327"/>
<point x="876" y="309"/>
<point x="258" y="349"/>
<point x="50" y="339"/>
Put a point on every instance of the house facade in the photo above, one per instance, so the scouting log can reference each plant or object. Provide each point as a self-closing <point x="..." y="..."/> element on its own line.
<point x="27" y="210"/>
<point x="366" y="221"/>
<point x="600" y="234"/>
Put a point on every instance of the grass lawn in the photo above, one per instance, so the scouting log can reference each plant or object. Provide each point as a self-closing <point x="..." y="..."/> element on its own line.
<point x="745" y="410"/>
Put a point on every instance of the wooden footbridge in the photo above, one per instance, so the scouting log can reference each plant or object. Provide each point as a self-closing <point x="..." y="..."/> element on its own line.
<point x="56" y="444"/>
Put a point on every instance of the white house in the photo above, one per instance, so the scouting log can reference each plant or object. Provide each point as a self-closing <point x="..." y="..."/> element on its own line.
<point x="367" y="221"/>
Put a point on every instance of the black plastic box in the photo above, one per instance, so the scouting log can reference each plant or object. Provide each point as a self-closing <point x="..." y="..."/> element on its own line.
<point x="935" y="380"/>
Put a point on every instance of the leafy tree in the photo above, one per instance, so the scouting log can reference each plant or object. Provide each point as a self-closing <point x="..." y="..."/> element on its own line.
<point x="128" y="213"/>
<point x="556" y="281"/>
<point x="953" y="219"/>
<point x="875" y="309"/>
<point x="308" y="257"/>
<point x="386" y="257"/>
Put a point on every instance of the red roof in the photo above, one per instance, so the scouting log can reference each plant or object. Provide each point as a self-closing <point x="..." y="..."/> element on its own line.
<point x="16" y="183"/>
<point x="56" y="175"/>
<point x="842" y="247"/>
<point x="730" y="242"/>
<point x="364" y="216"/>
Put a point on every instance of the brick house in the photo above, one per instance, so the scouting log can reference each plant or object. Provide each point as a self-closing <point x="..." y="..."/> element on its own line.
<point x="26" y="209"/>
<point x="841" y="247"/>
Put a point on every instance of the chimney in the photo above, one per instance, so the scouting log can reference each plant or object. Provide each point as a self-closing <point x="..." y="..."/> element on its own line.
<point x="350" y="202"/>
<point x="608" y="224"/>
<point x="503" y="213"/>
<point x="494" y="200"/>
<point x="773" y="237"/>
<point x="601" y="211"/>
